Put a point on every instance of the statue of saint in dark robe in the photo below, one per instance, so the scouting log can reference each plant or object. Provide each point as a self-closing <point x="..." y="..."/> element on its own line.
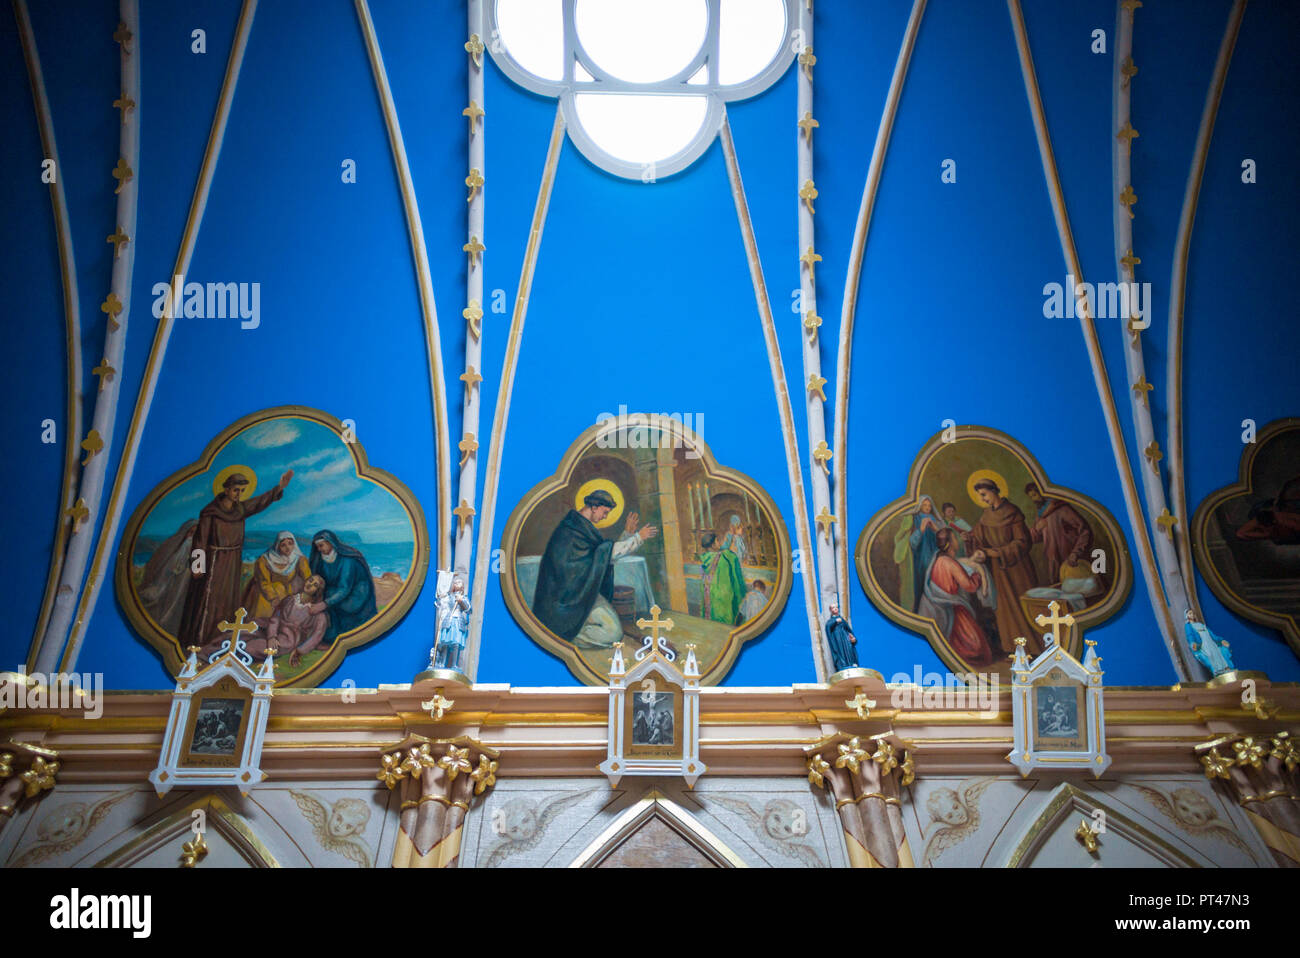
<point x="214" y="593"/>
<point x="349" y="587"/>
<point x="575" y="582"/>
<point x="844" y="653"/>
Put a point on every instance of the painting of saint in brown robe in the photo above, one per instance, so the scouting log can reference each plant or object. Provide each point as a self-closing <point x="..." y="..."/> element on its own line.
<point x="1065" y="535"/>
<point x="1001" y="540"/>
<point x="213" y="594"/>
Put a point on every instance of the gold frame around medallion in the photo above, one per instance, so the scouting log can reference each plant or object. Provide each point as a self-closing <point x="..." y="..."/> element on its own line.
<point x="559" y="479"/>
<point x="1244" y="485"/>
<point x="927" y="628"/>
<point x="169" y="646"/>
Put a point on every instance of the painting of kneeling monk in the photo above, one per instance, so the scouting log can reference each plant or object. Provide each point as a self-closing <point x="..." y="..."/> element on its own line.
<point x="627" y="526"/>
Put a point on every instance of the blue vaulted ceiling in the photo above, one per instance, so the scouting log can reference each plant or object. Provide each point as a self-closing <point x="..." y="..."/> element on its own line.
<point x="642" y="295"/>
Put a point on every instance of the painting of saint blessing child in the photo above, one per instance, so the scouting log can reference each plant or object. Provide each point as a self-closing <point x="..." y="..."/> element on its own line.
<point x="284" y="518"/>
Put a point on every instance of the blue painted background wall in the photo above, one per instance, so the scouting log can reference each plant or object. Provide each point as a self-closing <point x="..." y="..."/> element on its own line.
<point x="642" y="294"/>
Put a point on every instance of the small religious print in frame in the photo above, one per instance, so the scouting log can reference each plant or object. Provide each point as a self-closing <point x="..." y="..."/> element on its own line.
<point x="218" y="716"/>
<point x="1056" y="704"/>
<point x="218" y="724"/>
<point x="654" y="709"/>
<point x="1058" y="712"/>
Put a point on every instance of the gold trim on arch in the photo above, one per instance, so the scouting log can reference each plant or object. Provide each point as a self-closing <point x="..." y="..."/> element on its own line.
<point x="420" y="256"/>
<point x="1052" y="814"/>
<point x="1121" y="567"/>
<point x="505" y="391"/>
<point x="1244" y="485"/>
<point x="849" y="302"/>
<point x="72" y="427"/>
<point x="558" y="480"/>
<point x="655" y="803"/>
<point x="176" y="824"/>
<point x="158" y="350"/>
<point x="1096" y="359"/>
<point x="794" y="462"/>
<point x="1178" y="299"/>
<point x="169" y="646"/>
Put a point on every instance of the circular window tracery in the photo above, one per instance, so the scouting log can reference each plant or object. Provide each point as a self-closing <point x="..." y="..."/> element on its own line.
<point x="643" y="82"/>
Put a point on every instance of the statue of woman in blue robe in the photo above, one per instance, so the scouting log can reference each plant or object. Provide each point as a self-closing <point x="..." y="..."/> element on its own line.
<point x="842" y="641"/>
<point x="349" y="588"/>
<point x="1210" y="650"/>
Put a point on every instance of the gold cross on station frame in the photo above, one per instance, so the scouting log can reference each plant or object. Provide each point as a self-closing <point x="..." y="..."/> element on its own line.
<point x="1055" y="620"/>
<point x="654" y="623"/>
<point x="239" y="626"/>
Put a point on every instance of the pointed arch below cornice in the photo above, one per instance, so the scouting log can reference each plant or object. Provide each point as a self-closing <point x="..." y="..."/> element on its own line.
<point x="655" y="807"/>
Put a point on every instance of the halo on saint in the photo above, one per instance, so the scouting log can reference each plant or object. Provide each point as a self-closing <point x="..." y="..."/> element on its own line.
<point x="606" y="485"/>
<point x="219" y="481"/>
<point x="976" y="476"/>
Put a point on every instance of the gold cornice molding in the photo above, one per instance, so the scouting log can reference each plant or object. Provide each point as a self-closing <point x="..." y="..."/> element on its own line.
<point x="560" y="731"/>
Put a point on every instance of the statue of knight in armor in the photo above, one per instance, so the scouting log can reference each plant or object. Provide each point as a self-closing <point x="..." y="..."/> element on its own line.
<point x="453" y="626"/>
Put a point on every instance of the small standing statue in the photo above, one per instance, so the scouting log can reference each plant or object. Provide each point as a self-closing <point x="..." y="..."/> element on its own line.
<point x="1211" y="651"/>
<point x="453" y="626"/>
<point x="844" y="655"/>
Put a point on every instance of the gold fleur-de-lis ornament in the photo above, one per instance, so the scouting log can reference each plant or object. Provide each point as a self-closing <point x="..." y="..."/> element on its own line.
<point x="1284" y="750"/>
<point x="485" y="776"/>
<point x="474" y="47"/>
<point x="390" y="769"/>
<point x="807" y="60"/>
<point x="39" y="777"/>
<point x="1249" y="752"/>
<point x="454" y="762"/>
<point x="808" y="193"/>
<point x="122" y="173"/>
<point x="815" y="384"/>
<point x="821" y="455"/>
<point x="818" y="768"/>
<point x="473" y="314"/>
<point x="907" y="771"/>
<point x="884" y="757"/>
<point x="851" y="756"/>
<point x="1216" y="765"/>
<point x="192" y="851"/>
<point x="474" y="181"/>
<point x="93" y="444"/>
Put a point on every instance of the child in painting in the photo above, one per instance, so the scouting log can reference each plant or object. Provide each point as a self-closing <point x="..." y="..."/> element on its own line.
<point x="280" y="571"/>
<point x="723" y="582"/>
<point x="754" y="600"/>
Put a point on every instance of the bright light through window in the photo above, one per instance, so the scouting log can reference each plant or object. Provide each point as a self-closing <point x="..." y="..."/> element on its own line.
<point x="641" y="129"/>
<point x="640" y="41"/>
<point x="642" y="91"/>
<point x="751" y="35"/>
<point x="533" y="32"/>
